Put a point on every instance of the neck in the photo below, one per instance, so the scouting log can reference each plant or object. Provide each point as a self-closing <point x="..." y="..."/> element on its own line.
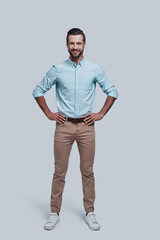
<point x="76" y="60"/>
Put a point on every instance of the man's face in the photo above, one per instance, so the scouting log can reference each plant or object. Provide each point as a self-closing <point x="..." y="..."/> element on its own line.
<point x="75" y="45"/>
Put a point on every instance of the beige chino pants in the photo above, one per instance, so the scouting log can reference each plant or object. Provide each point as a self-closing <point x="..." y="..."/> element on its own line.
<point x="84" y="135"/>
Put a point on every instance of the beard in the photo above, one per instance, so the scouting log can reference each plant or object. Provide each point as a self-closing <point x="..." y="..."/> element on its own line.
<point x="75" y="56"/>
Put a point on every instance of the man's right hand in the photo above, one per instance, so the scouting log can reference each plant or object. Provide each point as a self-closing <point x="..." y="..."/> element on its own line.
<point x="58" y="117"/>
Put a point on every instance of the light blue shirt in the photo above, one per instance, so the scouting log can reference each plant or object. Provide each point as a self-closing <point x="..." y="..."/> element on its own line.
<point x="75" y="86"/>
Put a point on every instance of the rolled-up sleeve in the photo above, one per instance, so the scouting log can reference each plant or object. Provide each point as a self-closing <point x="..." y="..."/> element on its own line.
<point x="46" y="83"/>
<point x="105" y="83"/>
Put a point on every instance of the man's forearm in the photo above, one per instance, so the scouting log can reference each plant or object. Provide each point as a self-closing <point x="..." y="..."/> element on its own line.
<point x="43" y="105"/>
<point x="107" y="105"/>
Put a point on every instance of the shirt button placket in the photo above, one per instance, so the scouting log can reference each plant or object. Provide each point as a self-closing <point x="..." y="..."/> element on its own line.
<point x="76" y="91"/>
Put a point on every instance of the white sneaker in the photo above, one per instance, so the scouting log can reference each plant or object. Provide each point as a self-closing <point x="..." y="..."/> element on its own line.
<point x="90" y="219"/>
<point x="52" y="221"/>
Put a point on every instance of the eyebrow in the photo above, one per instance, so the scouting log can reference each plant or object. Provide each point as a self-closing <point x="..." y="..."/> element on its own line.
<point x="73" y="42"/>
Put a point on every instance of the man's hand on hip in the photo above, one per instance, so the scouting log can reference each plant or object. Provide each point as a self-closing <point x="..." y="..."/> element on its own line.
<point x="58" y="117"/>
<point x="92" y="117"/>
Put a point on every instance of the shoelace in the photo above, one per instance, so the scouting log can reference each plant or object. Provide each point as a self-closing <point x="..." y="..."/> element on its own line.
<point x="93" y="218"/>
<point x="51" y="217"/>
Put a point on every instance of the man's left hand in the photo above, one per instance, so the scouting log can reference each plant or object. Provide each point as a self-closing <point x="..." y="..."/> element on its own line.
<point x="92" y="117"/>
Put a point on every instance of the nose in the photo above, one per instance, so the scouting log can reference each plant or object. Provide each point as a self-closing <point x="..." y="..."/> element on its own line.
<point x="75" y="46"/>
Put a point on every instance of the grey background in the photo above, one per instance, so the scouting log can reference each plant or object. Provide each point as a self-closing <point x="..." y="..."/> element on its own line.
<point x="123" y="37"/>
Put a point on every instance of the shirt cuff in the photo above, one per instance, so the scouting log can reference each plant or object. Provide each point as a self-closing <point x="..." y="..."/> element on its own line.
<point x="35" y="94"/>
<point x="113" y="93"/>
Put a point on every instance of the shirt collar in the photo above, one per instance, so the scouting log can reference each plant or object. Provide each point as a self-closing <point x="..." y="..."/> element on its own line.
<point x="73" y="63"/>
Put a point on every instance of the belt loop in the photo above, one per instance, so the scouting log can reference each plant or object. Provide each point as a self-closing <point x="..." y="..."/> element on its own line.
<point x="66" y="119"/>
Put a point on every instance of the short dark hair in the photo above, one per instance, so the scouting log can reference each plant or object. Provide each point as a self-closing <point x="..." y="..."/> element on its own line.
<point x="76" y="31"/>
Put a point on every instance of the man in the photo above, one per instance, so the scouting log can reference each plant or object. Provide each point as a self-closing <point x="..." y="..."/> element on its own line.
<point x="75" y="81"/>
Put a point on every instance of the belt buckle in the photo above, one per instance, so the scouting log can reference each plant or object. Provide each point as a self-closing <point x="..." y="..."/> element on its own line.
<point x="74" y="120"/>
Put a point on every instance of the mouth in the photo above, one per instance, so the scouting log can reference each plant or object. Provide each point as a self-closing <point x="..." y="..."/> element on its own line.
<point x="75" y="51"/>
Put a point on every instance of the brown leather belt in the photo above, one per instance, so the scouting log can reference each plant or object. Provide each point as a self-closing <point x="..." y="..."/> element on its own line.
<point x="75" y="120"/>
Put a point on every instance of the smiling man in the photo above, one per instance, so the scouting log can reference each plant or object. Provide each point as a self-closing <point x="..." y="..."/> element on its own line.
<point x="75" y="80"/>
